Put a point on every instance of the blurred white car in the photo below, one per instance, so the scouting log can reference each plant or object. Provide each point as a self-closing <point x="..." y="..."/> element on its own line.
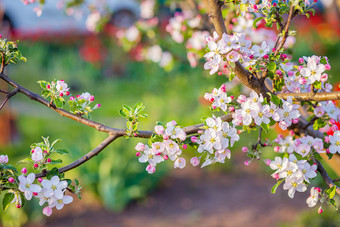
<point x="23" y="19"/>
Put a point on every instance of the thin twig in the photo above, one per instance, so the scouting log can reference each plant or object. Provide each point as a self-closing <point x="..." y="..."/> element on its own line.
<point x="8" y="96"/>
<point x="85" y="158"/>
<point x="2" y="91"/>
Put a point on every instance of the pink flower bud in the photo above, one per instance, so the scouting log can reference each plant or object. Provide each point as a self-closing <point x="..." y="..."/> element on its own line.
<point x="139" y="147"/>
<point x="91" y="98"/>
<point x="332" y="121"/>
<point x="193" y="139"/>
<point x="225" y="66"/>
<point x="185" y="146"/>
<point x="324" y="77"/>
<point x="246" y="163"/>
<point x="315" y="0"/>
<point x="266" y="56"/>
<point x="279" y="72"/>
<point x="284" y="56"/>
<point x="244" y="149"/>
<point x="295" y="121"/>
<point x="24" y="170"/>
<point x="328" y="67"/>
<point x="32" y="151"/>
<point x="49" y="160"/>
<point x="135" y="134"/>
<point x="300" y="67"/>
<point x="40" y="179"/>
<point x="276" y="176"/>
<point x="231" y="108"/>
<point x="327" y="151"/>
<point x="268" y="161"/>
<point x="45" y="151"/>
<point x="276" y="148"/>
<point x="36" y="165"/>
<point x="35" y="194"/>
<point x="61" y="94"/>
<point x="327" y="139"/>
<point x="195" y="161"/>
<point x="291" y="73"/>
<point x="48" y="86"/>
<point x="291" y="132"/>
<point x="200" y="131"/>
<point x="273" y="50"/>
<point x="138" y="154"/>
<point x="151" y="169"/>
<point x="47" y="211"/>
<point x="98" y="105"/>
<point x="165" y="137"/>
<point x="265" y="144"/>
<point x="320" y="210"/>
<point x="251" y="56"/>
<point x="67" y="93"/>
<point x="212" y="99"/>
<point x="302" y="80"/>
<point x="165" y="157"/>
<point x="277" y="140"/>
<point x="72" y="98"/>
<point x="255" y="7"/>
<point x="301" y="61"/>
<point x="11" y="180"/>
<point x="78" y="96"/>
<point x="222" y="88"/>
<point x="61" y="80"/>
<point x="232" y="97"/>
<point x="18" y="205"/>
<point x="318" y="189"/>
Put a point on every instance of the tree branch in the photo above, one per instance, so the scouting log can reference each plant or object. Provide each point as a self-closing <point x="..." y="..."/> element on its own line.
<point x="244" y="75"/>
<point x="325" y="176"/>
<point x="8" y="96"/>
<point x="85" y="158"/>
<point x="311" y="96"/>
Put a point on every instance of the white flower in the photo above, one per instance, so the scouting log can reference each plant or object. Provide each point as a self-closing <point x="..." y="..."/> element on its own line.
<point x="303" y="150"/>
<point x="37" y="155"/>
<point x="54" y="187"/>
<point x="62" y="86"/>
<point x="179" y="163"/>
<point x="59" y="203"/>
<point x="312" y="200"/>
<point x="260" y="51"/>
<point x="279" y="164"/>
<point x="260" y="114"/>
<point x="308" y="171"/>
<point x="26" y="185"/>
<point x="313" y="71"/>
<point x="335" y="142"/>
<point x="212" y="64"/>
<point x="294" y="184"/>
<point x="3" y="159"/>
<point x="150" y="157"/>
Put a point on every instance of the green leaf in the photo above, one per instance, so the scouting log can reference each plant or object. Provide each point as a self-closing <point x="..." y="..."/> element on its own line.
<point x="232" y="64"/>
<point x="55" y="141"/>
<point x="61" y="151"/>
<point x="122" y="113"/>
<point x="331" y="192"/>
<point x="274" y="188"/>
<point x="7" y="200"/>
<point x="257" y="20"/>
<point x="271" y="66"/>
<point x="332" y="202"/>
<point x="127" y="107"/>
<point x="57" y="161"/>
<point x="58" y="102"/>
<point x="319" y="123"/>
<point x="265" y="127"/>
<point x="143" y="115"/>
<point x="53" y="172"/>
<point x="26" y="160"/>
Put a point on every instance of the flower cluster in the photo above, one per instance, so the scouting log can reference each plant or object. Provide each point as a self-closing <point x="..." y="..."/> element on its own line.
<point x="81" y="104"/>
<point x="165" y="145"/>
<point x="55" y="90"/>
<point x="303" y="146"/>
<point x="51" y="191"/>
<point x="214" y="141"/>
<point x="219" y="98"/>
<point x="254" y="108"/>
<point x="296" y="173"/>
<point x="335" y="143"/>
<point x="233" y="48"/>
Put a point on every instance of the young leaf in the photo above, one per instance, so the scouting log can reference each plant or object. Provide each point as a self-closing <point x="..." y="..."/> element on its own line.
<point x="274" y="188"/>
<point x="7" y="200"/>
<point x="61" y="151"/>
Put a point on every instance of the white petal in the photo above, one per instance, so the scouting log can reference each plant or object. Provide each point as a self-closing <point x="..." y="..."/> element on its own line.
<point x="46" y="183"/>
<point x="35" y="188"/>
<point x="30" y="178"/>
<point x="67" y="199"/>
<point x="58" y="194"/>
<point x="55" y="180"/>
